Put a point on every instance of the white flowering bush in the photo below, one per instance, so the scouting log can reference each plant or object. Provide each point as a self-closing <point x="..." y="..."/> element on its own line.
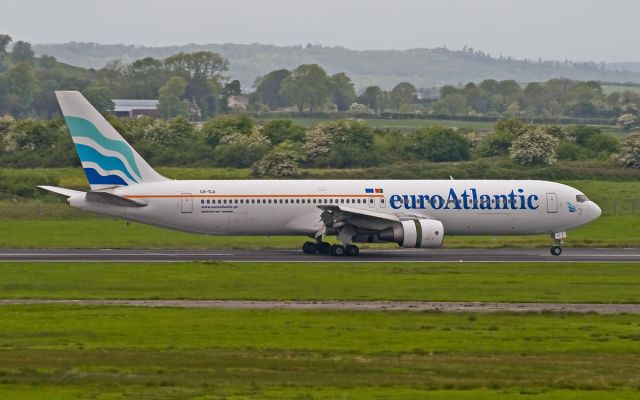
<point x="626" y="121"/>
<point x="281" y="162"/>
<point x="534" y="147"/>
<point x="628" y="155"/>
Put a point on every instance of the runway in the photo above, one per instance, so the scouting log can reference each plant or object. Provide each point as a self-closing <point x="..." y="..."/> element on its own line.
<point x="391" y="306"/>
<point x="401" y="255"/>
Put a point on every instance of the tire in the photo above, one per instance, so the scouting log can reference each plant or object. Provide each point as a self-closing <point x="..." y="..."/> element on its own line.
<point x="337" y="250"/>
<point x="309" y="248"/>
<point x="556" y="250"/>
<point x="324" y="248"/>
<point x="352" y="251"/>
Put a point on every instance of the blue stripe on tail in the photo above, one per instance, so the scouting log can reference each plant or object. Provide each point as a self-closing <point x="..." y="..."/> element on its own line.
<point x="107" y="163"/>
<point x="95" y="178"/>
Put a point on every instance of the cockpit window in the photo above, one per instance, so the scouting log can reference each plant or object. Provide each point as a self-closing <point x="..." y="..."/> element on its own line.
<point x="580" y="198"/>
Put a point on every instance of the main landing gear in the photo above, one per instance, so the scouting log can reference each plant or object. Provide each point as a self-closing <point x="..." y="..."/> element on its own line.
<point x="556" y="250"/>
<point x="327" y="248"/>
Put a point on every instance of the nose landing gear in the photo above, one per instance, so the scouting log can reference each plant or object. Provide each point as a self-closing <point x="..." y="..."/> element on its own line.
<point x="557" y="237"/>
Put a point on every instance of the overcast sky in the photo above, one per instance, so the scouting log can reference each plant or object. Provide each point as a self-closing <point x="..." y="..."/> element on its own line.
<point x="552" y="29"/>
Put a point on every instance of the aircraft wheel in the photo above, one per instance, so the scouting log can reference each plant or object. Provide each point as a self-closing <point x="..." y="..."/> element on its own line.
<point x="309" y="248"/>
<point x="324" y="248"/>
<point x="556" y="250"/>
<point x="352" y="251"/>
<point x="337" y="250"/>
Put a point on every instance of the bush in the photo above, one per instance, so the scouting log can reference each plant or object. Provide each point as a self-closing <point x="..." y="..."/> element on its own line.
<point x="240" y="151"/>
<point x="441" y="144"/>
<point x="281" y="162"/>
<point x="629" y="154"/>
<point x="496" y="143"/>
<point x="344" y="143"/>
<point x="214" y="130"/>
<point x="534" y="147"/>
<point x="279" y="130"/>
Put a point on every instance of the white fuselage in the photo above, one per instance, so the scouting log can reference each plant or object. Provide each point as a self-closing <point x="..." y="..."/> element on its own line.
<point x="285" y="207"/>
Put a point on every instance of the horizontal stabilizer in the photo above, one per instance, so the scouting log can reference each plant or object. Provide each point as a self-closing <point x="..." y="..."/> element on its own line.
<point x="62" y="191"/>
<point x="113" y="200"/>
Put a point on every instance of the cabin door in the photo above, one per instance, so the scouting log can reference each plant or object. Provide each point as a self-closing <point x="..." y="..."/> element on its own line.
<point x="552" y="202"/>
<point x="186" y="203"/>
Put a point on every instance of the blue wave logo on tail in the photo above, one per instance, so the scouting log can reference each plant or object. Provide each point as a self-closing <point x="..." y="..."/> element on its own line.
<point x="105" y="161"/>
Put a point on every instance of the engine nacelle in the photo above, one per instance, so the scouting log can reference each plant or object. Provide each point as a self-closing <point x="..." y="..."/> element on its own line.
<point x="423" y="233"/>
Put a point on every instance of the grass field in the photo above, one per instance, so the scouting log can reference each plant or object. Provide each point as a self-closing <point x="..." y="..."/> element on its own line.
<point x="504" y="282"/>
<point x="407" y="124"/>
<point x="478" y="126"/>
<point x="117" y="352"/>
<point x="608" y="89"/>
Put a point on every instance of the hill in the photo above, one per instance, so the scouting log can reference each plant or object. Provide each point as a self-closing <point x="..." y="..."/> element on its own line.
<point x="423" y="67"/>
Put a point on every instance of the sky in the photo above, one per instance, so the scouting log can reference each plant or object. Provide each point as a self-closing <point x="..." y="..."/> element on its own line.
<point x="578" y="30"/>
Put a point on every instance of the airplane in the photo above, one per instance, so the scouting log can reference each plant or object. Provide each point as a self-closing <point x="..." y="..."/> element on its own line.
<point x="411" y="213"/>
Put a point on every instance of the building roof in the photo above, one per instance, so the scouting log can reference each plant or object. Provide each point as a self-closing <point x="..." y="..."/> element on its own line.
<point x="127" y="105"/>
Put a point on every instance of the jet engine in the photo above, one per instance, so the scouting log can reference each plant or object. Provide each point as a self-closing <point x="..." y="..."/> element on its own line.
<point x="423" y="233"/>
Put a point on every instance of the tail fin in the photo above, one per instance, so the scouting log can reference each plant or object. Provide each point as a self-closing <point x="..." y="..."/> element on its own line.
<point x="108" y="160"/>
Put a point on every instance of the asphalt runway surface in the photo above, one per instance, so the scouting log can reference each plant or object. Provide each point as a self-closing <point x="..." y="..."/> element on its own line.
<point x="401" y="255"/>
<point x="395" y="306"/>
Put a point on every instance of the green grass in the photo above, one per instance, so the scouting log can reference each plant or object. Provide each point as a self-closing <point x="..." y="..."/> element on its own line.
<point x="405" y="124"/>
<point x="501" y="282"/>
<point x="91" y="232"/>
<point x="117" y="352"/>
<point x="608" y="89"/>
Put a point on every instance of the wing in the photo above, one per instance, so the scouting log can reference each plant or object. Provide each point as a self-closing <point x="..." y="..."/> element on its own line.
<point x="354" y="220"/>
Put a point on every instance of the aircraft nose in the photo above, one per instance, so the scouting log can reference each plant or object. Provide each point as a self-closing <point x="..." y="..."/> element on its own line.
<point x="596" y="210"/>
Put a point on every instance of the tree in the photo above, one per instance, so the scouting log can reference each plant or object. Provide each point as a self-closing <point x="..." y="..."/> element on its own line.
<point x="308" y="85"/>
<point x="453" y="104"/>
<point x="230" y="89"/>
<point x="203" y="71"/>
<point x="343" y="92"/>
<point x="534" y="147"/>
<point x="440" y="144"/>
<point x="4" y="43"/>
<point x="403" y="93"/>
<point x="629" y="154"/>
<point x="142" y="78"/>
<point x="22" y="52"/>
<point x="5" y="40"/>
<point x="22" y="84"/>
<point x="268" y="89"/>
<point x="170" y="101"/>
<point x="372" y="98"/>
<point x="203" y="63"/>
<point x="100" y="98"/>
